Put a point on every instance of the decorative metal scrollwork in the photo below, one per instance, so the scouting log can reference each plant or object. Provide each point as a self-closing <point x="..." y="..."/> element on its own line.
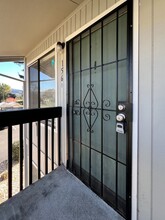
<point x="76" y="112"/>
<point x="106" y="103"/>
<point x="94" y="115"/>
<point x="86" y="111"/>
<point x="90" y="95"/>
<point x="93" y="103"/>
<point x="77" y="102"/>
<point x="90" y="104"/>
<point x="106" y="116"/>
<point x="90" y="86"/>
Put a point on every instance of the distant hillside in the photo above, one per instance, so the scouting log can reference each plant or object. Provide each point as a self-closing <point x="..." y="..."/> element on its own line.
<point x="17" y="91"/>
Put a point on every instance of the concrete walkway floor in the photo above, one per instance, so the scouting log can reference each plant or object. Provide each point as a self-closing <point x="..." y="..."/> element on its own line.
<point x="57" y="196"/>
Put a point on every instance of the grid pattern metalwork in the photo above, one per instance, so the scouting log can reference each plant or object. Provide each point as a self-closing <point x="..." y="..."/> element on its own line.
<point x="98" y="70"/>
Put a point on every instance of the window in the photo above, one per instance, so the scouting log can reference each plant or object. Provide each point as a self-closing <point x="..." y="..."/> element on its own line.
<point x="11" y="83"/>
<point x="42" y="82"/>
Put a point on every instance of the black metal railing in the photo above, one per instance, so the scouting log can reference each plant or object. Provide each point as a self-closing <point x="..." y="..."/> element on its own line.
<point x="28" y="116"/>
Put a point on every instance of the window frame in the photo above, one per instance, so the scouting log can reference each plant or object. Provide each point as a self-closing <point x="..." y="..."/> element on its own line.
<point x="37" y="62"/>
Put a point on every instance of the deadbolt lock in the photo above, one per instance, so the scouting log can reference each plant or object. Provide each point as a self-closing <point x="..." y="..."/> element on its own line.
<point x="121" y="107"/>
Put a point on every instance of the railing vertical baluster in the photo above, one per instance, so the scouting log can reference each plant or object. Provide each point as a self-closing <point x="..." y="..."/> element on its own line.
<point x="46" y="146"/>
<point x="9" y="161"/>
<point x="52" y="135"/>
<point x="39" y="149"/>
<point x="21" y="155"/>
<point x="30" y="116"/>
<point x="59" y="141"/>
<point x="30" y="153"/>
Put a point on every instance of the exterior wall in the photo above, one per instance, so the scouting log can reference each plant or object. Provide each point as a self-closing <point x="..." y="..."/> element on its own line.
<point x="88" y="10"/>
<point x="151" y="110"/>
<point x="151" y="133"/>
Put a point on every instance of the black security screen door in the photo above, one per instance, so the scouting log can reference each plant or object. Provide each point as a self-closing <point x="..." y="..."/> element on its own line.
<point x="99" y="109"/>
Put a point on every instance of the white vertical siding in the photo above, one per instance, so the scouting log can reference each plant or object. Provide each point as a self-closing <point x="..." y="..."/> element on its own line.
<point x="61" y="33"/>
<point x="83" y="16"/>
<point x="73" y="23"/>
<point x="68" y="25"/>
<point x="151" y="144"/>
<point x="158" y="153"/>
<point x="78" y="20"/>
<point x="110" y="3"/>
<point x="145" y="110"/>
<point x="95" y="7"/>
<point x="151" y="110"/>
<point x="88" y="10"/>
<point x="65" y="29"/>
<point x="58" y="34"/>
<point x="103" y="5"/>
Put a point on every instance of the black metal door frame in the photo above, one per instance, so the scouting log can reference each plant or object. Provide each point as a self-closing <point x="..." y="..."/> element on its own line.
<point x="78" y="172"/>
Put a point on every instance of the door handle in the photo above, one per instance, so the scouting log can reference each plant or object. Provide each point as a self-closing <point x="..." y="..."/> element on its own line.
<point x="120" y="125"/>
<point x="120" y="117"/>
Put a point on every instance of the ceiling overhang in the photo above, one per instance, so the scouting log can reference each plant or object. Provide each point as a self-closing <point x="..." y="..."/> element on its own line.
<point x="25" y="23"/>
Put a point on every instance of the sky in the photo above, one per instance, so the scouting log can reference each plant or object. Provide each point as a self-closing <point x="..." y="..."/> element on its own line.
<point x="14" y="70"/>
<point x="11" y="69"/>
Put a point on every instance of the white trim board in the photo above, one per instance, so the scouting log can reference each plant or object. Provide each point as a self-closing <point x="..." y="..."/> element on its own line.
<point x="135" y="108"/>
<point x="41" y="55"/>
